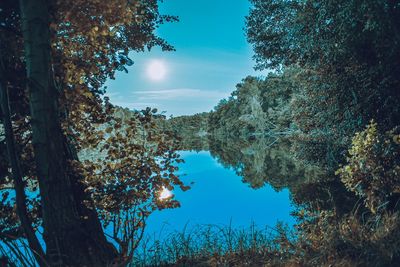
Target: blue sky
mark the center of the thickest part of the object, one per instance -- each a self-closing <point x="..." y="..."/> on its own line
<point x="211" y="57"/>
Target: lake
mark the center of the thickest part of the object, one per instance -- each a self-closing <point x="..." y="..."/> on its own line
<point x="220" y="197"/>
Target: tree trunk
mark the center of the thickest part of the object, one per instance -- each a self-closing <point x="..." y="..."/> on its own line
<point x="19" y="186"/>
<point x="72" y="231"/>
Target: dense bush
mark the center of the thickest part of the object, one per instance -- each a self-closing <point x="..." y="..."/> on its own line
<point x="372" y="171"/>
<point x="369" y="233"/>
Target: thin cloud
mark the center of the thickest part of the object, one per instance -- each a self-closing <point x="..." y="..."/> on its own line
<point x="178" y="101"/>
<point x="169" y="94"/>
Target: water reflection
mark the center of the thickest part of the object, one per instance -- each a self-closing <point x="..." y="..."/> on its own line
<point x="165" y="194"/>
<point x="240" y="179"/>
<point x="262" y="161"/>
<point x="219" y="197"/>
<point x="258" y="160"/>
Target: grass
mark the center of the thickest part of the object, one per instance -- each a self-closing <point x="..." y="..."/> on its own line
<point x="200" y="245"/>
<point x="213" y="245"/>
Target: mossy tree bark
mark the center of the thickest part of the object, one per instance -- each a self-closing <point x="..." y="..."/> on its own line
<point x="72" y="230"/>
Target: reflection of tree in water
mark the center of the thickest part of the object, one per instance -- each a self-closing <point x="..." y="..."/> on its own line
<point x="260" y="160"/>
<point x="257" y="160"/>
<point x="191" y="131"/>
<point x="193" y="143"/>
<point x="265" y="160"/>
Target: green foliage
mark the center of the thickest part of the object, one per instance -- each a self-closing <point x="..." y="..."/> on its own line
<point x="270" y="27"/>
<point x="346" y="52"/>
<point x="373" y="167"/>
<point x="257" y="107"/>
<point x="233" y="116"/>
<point x="336" y="69"/>
<point x="322" y="32"/>
<point x="88" y="43"/>
<point x="348" y="74"/>
<point x="127" y="161"/>
<point x="192" y="131"/>
<point x="363" y="234"/>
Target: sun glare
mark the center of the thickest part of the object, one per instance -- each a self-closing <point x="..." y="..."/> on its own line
<point x="156" y="70"/>
<point x="165" y="194"/>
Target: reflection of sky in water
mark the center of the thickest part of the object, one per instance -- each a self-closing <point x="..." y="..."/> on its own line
<point x="217" y="196"/>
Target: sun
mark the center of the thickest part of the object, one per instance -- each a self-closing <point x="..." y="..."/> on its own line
<point x="156" y="70"/>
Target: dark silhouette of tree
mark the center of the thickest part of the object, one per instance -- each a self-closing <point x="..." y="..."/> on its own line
<point x="62" y="53"/>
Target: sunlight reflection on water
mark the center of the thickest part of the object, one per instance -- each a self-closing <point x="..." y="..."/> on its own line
<point x="165" y="194"/>
<point x="218" y="196"/>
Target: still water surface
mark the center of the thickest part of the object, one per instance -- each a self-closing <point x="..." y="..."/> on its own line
<point x="219" y="196"/>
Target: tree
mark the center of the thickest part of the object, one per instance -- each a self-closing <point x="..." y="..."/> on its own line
<point x="13" y="159"/>
<point x="71" y="229"/>
<point x="345" y="50"/>
<point x="346" y="54"/>
<point x="70" y="49"/>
